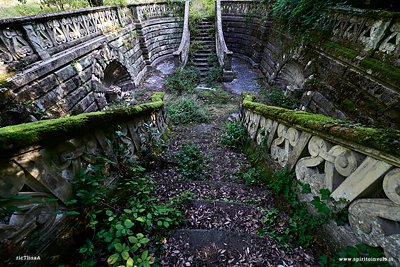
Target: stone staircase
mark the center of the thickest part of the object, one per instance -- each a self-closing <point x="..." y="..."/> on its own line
<point x="223" y="218"/>
<point x="201" y="56"/>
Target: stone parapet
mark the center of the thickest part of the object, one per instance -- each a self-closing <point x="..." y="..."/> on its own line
<point x="38" y="162"/>
<point x="356" y="164"/>
<point x="59" y="64"/>
<point x="224" y="55"/>
<point x="181" y="56"/>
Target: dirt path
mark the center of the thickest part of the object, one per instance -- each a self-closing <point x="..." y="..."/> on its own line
<point x="225" y="215"/>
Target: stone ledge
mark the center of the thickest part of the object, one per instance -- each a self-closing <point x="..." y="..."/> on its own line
<point x="344" y="132"/>
<point x="17" y="137"/>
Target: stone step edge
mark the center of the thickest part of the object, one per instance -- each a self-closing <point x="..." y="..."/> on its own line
<point x="199" y="238"/>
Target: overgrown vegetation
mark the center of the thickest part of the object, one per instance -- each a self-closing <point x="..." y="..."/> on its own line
<point x="275" y="96"/>
<point x="19" y="8"/>
<point x="214" y="74"/>
<point x="185" y="109"/>
<point x="191" y="163"/>
<point x="304" y="19"/>
<point x="183" y="80"/>
<point x="124" y="216"/>
<point x="235" y="135"/>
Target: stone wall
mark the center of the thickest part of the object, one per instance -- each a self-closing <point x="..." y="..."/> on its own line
<point x="360" y="165"/>
<point x="61" y="64"/>
<point x="40" y="159"/>
<point x="354" y="74"/>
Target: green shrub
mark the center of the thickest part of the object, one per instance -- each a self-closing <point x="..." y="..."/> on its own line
<point x="191" y="163"/>
<point x="183" y="110"/>
<point x="213" y="76"/>
<point x="301" y="18"/>
<point x="183" y="80"/>
<point x="276" y="96"/>
<point x="235" y="135"/>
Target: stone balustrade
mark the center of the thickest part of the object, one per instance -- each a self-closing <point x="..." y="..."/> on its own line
<point x="62" y="64"/>
<point x="39" y="37"/>
<point x="224" y="55"/>
<point x="352" y="74"/>
<point x="40" y="159"/>
<point x="356" y="164"/>
<point x="181" y="56"/>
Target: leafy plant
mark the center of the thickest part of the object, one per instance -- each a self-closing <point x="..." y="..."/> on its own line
<point x="183" y="110"/>
<point x="302" y="19"/>
<point x="276" y="96"/>
<point x="183" y="80"/>
<point x="235" y="135"/>
<point x="191" y="163"/>
<point x="251" y="177"/>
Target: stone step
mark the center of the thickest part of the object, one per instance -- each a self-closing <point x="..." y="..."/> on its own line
<point x="216" y="190"/>
<point x="197" y="247"/>
<point x="200" y="59"/>
<point x="200" y="64"/>
<point x="223" y="216"/>
<point x="202" y="54"/>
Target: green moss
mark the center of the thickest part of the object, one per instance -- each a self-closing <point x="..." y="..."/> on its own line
<point x="15" y="137"/>
<point x="381" y="69"/>
<point x="3" y="79"/>
<point x="248" y="96"/>
<point x="349" y="105"/>
<point x="265" y="171"/>
<point x="159" y="96"/>
<point x="339" y="50"/>
<point x="381" y="139"/>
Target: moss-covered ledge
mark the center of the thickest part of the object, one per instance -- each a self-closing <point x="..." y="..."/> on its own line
<point x="383" y="140"/>
<point x="17" y="137"/>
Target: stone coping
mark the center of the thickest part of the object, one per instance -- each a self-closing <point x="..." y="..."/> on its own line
<point x="19" y="137"/>
<point x="29" y="19"/>
<point x="382" y="143"/>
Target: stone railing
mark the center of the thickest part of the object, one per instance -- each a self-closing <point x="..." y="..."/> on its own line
<point x="374" y="30"/>
<point x="241" y="8"/>
<point x="182" y="54"/>
<point x="39" y="160"/>
<point x="360" y="165"/>
<point x="224" y="55"/>
<point x="41" y="36"/>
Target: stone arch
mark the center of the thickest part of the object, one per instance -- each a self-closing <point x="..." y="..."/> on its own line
<point x="115" y="74"/>
<point x="110" y="75"/>
<point x="290" y="77"/>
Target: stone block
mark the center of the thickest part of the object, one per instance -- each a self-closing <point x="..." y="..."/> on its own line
<point x="73" y="98"/>
<point x="65" y="73"/>
<point x="332" y="65"/>
<point x="92" y="108"/>
<point x="49" y="99"/>
<point x="322" y="102"/>
<point x="86" y="61"/>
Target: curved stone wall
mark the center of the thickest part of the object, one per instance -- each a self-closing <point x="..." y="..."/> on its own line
<point x="352" y="75"/>
<point x="54" y="65"/>
<point x="245" y="30"/>
<point x="357" y="164"/>
<point x="38" y="162"/>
